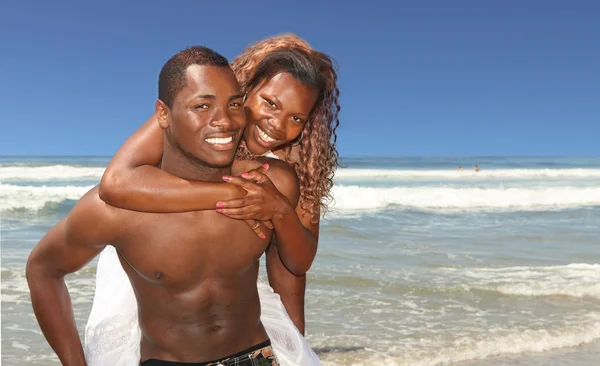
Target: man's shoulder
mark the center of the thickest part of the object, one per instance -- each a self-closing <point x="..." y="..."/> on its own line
<point x="278" y="169"/>
<point x="92" y="216"/>
<point x="280" y="173"/>
<point x="90" y="203"/>
<point x="278" y="165"/>
<point x="284" y="178"/>
<point x="275" y="166"/>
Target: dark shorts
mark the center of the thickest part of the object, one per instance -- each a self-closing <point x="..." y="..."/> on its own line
<point x="259" y="355"/>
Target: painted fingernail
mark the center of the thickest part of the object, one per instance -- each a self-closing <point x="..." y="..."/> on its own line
<point x="263" y="236"/>
<point x="219" y="204"/>
<point x="266" y="166"/>
<point x="219" y="210"/>
<point x="245" y="175"/>
<point x="225" y="177"/>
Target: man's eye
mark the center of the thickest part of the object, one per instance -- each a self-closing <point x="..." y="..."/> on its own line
<point x="202" y="106"/>
<point x="235" y="104"/>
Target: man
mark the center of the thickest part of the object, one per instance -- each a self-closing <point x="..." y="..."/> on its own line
<point x="194" y="274"/>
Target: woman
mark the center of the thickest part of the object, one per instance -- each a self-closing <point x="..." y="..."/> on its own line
<point x="291" y="101"/>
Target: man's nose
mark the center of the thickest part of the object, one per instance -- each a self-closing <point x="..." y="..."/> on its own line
<point x="221" y="119"/>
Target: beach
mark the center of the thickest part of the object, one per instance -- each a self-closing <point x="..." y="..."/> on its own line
<point x="418" y="263"/>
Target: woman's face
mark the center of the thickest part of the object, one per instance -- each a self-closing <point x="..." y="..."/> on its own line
<point x="276" y="112"/>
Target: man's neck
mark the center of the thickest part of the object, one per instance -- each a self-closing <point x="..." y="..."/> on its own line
<point x="175" y="162"/>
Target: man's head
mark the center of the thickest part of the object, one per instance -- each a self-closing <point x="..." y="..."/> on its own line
<point x="200" y="106"/>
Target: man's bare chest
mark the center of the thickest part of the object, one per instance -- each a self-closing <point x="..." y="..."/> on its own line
<point x="179" y="250"/>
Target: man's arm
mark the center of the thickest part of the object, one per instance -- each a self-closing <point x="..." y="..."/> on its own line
<point x="65" y="249"/>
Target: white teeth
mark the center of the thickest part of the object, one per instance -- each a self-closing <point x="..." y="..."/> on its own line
<point x="216" y="140"/>
<point x="263" y="135"/>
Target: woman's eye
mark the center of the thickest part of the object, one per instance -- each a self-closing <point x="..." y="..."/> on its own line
<point x="272" y="104"/>
<point x="297" y="119"/>
<point x="235" y="104"/>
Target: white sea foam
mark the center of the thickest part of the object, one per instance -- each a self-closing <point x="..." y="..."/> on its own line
<point x="35" y="198"/>
<point x="67" y="172"/>
<point x="574" y="280"/>
<point x="455" y="174"/>
<point x="49" y="173"/>
<point x="471" y="199"/>
<point x="369" y="198"/>
<point x="478" y="346"/>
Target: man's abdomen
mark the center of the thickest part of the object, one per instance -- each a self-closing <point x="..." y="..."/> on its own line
<point x="195" y="283"/>
<point x="221" y="319"/>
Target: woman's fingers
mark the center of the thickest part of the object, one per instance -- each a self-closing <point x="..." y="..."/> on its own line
<point x="239" y="202"/>
<point x="257" y="227"/>
<point x="244" y="183"/>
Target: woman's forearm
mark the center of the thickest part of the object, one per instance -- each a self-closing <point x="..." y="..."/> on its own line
<point x="132" y="181"/>
<point x="149" y="189"/>
<point x="296" y="244"/>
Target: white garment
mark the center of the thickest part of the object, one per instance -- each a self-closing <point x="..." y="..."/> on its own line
<point x="270" y="154"/>
<point x="113" y="334"/>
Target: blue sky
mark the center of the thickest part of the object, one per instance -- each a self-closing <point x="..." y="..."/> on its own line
<point x="417" y="78"/>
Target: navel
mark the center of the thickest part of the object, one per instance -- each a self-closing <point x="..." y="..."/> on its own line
<point x="158" y="275"/>
<point x="215" y="328"/>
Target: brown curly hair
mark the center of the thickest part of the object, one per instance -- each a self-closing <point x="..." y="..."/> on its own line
<point x="318" y="153"/>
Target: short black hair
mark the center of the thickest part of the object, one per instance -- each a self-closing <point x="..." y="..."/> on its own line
<point x="172" y="76"/>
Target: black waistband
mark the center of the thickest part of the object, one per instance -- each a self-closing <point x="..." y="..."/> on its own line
<point x="155" y="362"/>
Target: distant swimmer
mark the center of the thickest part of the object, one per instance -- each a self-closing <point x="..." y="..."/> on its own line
<point x="476" y="168"/>
<point x="460" y="169"/>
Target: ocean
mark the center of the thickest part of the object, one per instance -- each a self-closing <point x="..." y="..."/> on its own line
<point x="418" y="263"/>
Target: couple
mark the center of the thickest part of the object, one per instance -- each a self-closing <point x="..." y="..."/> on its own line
<point x="194" y="272"/>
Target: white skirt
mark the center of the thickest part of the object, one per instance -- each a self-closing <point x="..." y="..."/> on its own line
<point x="112" y="334"/>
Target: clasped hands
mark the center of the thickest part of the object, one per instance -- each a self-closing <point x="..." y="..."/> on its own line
<point x="262" y="203"/>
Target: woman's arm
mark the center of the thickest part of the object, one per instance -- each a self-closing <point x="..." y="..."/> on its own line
<point x="295" y="240"/>
<point x="132" y="180"/>
<point x="291" y="288"/>
<point x="300" y="233"/>
<point x="266" y="201"/>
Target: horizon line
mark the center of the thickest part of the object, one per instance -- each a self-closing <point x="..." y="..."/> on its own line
<point x="341" y="156"/>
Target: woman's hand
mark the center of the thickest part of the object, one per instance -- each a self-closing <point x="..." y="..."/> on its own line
<point x="260" y="228"/>
<point x="263" y="201"/>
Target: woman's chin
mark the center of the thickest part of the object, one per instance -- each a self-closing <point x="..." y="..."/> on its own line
<point x="255" y="147"/>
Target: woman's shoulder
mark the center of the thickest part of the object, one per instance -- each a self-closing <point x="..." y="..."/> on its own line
<point x="294" y="156"/>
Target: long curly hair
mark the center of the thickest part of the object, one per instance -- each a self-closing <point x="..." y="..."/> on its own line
<point x="318" y="156"/>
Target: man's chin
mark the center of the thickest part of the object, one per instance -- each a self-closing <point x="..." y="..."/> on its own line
<point x="209" y="159"/>
<point x="224" y="162"/>
<point x="216" y="165"/>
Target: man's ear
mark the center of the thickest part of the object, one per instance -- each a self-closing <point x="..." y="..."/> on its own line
<point x="162" y="113"/>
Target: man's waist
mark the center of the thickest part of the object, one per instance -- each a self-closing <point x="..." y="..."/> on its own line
<point x="201" y="343"/>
